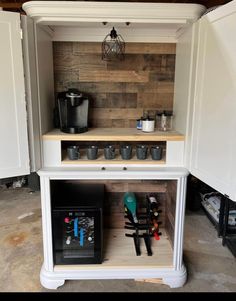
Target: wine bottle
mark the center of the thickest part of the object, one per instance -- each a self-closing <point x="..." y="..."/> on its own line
<point x="130" y="203"/>
<point x="153" y="205"/>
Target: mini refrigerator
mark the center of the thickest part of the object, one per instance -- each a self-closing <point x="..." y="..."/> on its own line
<point x="77" y="224"/>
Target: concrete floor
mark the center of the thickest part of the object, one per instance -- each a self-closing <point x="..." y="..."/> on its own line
<point x="211" y="267"/>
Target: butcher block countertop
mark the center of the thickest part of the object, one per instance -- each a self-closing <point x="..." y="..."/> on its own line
<point x="114" y="134"/>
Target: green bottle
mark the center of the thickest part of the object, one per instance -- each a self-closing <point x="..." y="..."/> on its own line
<point x="130" y="203"/>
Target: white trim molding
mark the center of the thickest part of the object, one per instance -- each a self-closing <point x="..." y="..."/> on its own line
<point x="48" y="11"/>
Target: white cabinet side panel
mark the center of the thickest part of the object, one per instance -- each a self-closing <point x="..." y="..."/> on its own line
<point x="174" y="153"/>
<point x="223" y="29"/>
<point x="51" y="153"/>
<point x="44" y="55"/>
<point x="14" y="155"/>
<point x="31" y="93"/>
<point x="182" y="79"/>
<point x="214" y="145"/>
<point x="184" y="86"/>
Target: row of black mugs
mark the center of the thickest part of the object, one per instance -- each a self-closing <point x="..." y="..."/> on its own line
<point x="73" y="152"/>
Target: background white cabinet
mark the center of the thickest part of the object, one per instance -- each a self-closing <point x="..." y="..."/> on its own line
<point x="23" y="83"/>
<point x="14" y="155"/>
<point x="212" y="157"/>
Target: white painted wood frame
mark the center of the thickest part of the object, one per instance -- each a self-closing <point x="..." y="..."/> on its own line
<point x="52" y="276"/>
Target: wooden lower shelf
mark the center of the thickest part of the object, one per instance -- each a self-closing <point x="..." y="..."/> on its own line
<point x="118" y="160"/>
<point x="119" y="252"/>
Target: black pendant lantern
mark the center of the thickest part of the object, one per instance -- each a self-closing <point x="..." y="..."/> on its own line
<point x="113" y="46"/>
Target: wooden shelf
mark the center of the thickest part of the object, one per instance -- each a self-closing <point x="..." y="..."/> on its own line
<point x="119" y="252"/>
<point x="114" y="134"/>
<point x="118" y="160"/>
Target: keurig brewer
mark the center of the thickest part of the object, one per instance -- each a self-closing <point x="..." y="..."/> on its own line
<point x="73" y="111"/>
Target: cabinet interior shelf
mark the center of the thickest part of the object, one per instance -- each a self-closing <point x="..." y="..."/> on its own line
<point x="119" y="252"/>
<point x="114" y="134"/>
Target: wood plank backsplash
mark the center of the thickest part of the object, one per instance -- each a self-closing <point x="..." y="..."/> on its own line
<point x="120" y="91"/>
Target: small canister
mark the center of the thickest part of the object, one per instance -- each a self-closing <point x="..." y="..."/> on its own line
<point x="148" y="125"/>
<point x="139" y="124"/>
<point x="164" y="121"/>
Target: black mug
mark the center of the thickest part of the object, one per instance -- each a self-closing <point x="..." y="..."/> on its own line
<point x="92" y="152"/>
<point x="156" y="152"/>
<point x="109" y="152"/>
<point x="73" y="152"/>
<point x="126" y="152"/>
<point x="141" y="152"/>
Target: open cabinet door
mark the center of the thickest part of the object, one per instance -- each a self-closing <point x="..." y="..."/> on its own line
<point x="14" y="155"/>
<point x="213" y="151"/>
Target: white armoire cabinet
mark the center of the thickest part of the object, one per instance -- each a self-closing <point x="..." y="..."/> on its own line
<point x="203" y="142"/>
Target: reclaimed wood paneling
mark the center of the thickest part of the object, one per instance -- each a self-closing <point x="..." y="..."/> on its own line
<point x="100" y="122"/>
<point x="170" y="209"/>
<point x="154" y="48"/>
<point x="159" y="101"/>
<point x="116" y="113"/>
<point x="113" y="76"/>
<point x="88" y="62"/>
<point x="60" y="48"/>
<point x="121" y="100"/>
<point x="103" y="87"/>
<point x="120" y="91"/>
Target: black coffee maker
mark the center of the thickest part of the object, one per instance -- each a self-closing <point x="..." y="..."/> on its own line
<point x="73" y="111"/>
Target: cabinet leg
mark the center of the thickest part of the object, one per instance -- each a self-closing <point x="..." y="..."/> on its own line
<point x="178" y="279"/>
<point x="221" y="216"/>
<point x="226" y="219"/>
<point x="49" y="281"/>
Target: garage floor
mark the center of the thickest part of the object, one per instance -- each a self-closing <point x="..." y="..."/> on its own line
<point x="211" y="267"/>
